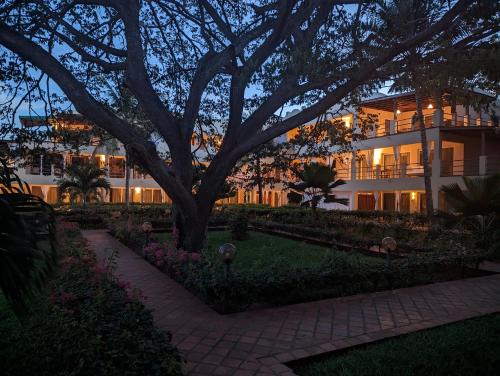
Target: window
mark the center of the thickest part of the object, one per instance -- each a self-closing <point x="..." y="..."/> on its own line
<point x="52" y="195"/>
<point x="421" y="157"/>
<point x="404" y="203"/>
<point x="389" y="201"/>
<point x="37" y="191"/>
<point x="116" y="167"/>
<point x="366" y="201"/>
<point x="157" y="196"/>
<point x="147" y="196"/>
<point x="116" y="195"/>
<point x="34" y="165"/>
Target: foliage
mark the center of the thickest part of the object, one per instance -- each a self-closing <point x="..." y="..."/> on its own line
<point x="239" y="227"/>
<point x="89" y="324"/>
<point x="479" y="203"/>
<point x="273" y="270"/>
<point x="464" y="349"/>
<point x="481" y="196"/>
<point x="317" y="182"/>
<point x="211" y="77"/>
<point x="83" y="180"/>
<point x="27" y="253"/>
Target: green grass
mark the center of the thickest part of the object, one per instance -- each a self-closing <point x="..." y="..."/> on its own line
<point x="261" y="249"/>
<point x="464" y="349"/>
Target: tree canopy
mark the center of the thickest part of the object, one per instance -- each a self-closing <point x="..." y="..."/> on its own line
<point x="220" y="70"/>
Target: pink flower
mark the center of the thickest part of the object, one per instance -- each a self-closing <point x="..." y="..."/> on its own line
<point x="159" y="254"/>
<point x="124" y="284"/>
<point x="183" y="255"/>
<point x="195" y="257"/>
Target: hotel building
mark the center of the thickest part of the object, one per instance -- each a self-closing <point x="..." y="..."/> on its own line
<point x="384" y="171"/>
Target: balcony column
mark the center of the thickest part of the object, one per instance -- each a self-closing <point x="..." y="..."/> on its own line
<point x="483" y="159"/>
<point x="106" y="164"/>
<point x="438" y="118"/>
<point x="483" y="165"/>
<point x="353" y="166"/>
<point x="436" y="161"/>
<point x="355" y="128"/>
<point x="394" y="121"/>
<point x="45" y="192"/>
<point x="397" y="152"/>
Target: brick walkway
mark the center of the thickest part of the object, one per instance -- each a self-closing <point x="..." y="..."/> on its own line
<point x="259" y="342"/>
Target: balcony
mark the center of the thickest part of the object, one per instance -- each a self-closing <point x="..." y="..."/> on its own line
<point x="468" y="167"/>
<point x="391" y="127"/>
<point x="410" y="170"/>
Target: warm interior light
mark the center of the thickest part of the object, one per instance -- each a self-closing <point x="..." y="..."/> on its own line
<point x="398" y="112"/>
<point x="413" y="195"/>
<point x="137" y="190"/>
<point x="377" y="155"/>
<point x="430" y="106"/>
<point x="103" y="158"/>
<point x="347" y="121"/>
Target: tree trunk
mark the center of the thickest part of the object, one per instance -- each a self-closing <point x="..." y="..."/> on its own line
<point x="425" y="156"/>
<point x="127" y="181"/>
<point x="195" y="235"/>
<point x="259" y="182"/>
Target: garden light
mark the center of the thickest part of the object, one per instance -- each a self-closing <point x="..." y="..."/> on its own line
<point x="147" y="227"/>
<point x="227" y="252"/>
<point x="389" y="244"/>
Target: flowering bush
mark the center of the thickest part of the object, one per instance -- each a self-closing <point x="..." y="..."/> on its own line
<point x="89" y="324"/>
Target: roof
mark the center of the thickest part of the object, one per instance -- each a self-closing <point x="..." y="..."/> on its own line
<point x="405" y="102"/>
<point x="31" y="121"/>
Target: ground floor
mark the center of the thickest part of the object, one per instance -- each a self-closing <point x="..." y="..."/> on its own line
<point x="406" y="201"/>
<point x="139" y="195"/>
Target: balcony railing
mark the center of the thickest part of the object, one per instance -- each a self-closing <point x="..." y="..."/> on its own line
<point x="410" y="170"/>
<point x="410" y="124"/>
<point x="343" y="173"/>
<point x="467" y="167"/>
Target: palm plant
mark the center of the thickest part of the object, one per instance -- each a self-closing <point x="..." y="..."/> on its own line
<point x="479" y="204"/>
<point x="481" y="196"/>
<point x="27" y="252"/>
<point x="316" y="184"/>
<point x="83" y="181"/>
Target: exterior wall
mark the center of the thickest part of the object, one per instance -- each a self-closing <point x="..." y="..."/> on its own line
<point x="459" y="145"/>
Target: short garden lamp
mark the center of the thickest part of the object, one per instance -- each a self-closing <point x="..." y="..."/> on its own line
<point x="390" y="245"/>
<point x="147" y="227"/>
<point x="227" y="252"/>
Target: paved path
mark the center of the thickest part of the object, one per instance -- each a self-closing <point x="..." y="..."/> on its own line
<point x="259" y="342"/>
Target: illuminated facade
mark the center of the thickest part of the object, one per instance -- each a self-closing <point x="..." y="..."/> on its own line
<point x="384" y="171"/>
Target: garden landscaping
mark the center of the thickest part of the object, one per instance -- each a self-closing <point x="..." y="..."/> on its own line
<point x="467" y="348"/>
<point x="276" y="265"/>
<point x="85" y="322"/>
<point x="272" y="270"/>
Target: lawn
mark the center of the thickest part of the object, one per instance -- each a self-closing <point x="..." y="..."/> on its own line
<point x="263" y="249"/>
<point x="464" y="349"/>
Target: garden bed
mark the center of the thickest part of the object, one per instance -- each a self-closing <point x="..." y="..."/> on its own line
<point x="468" y="348"/>
<point x="85" y="323"/>
<point x="270" y="270"/>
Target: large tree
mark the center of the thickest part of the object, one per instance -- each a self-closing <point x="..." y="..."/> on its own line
<point x="193" y="65"/>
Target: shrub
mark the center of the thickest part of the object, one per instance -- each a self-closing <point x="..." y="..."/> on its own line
<point x="91" y="324"/>
<point x="239" y="227"/>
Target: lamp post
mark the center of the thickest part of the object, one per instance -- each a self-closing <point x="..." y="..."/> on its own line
<point x="390" y="245"/>
<point x="227" y="252"/>
<point x="147" y="227"/>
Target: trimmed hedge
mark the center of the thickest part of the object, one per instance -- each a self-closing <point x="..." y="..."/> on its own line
<point x="278" y="282"/>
